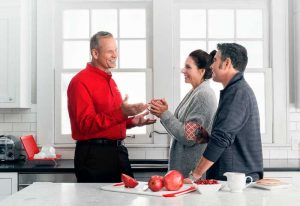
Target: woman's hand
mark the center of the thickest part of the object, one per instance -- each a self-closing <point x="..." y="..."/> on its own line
<point x="158" y="106"/>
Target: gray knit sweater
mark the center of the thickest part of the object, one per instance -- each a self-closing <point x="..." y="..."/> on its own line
<point x="199" y="105"/>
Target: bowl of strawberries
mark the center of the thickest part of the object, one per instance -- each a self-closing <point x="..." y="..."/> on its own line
<point x="207" y="186"/>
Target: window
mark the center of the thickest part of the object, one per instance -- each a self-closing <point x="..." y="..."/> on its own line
<point x="202" y="26"/>
<point x="75" y="24"/>
<point x="176" y="34"/>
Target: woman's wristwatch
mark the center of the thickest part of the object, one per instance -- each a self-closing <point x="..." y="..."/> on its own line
<point x="191" y="176"/>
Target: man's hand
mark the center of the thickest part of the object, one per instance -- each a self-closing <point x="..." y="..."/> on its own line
<point x="202" y="136"/>
<point x="140" y="120"/>
<point x="203" y="165"/>
<point x="195" y="132"/>
<point x="157" y="107"/>
<point x="132" y="109"/>
<point x="188" y="181"/>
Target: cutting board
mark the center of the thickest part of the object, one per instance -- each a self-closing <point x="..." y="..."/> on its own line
<point x="119" y="187"/>
<point x="282" y="185"/>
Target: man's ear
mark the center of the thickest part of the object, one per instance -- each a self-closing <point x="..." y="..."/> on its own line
<point x="228" y="63"/>
<point x="95" y="53"/>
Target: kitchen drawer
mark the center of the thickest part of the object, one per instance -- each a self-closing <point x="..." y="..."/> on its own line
<point x="143" y="171"/>
<point x="26" y="179"/>
<point x="144" y="176"/>
<point x="8" y="184"/>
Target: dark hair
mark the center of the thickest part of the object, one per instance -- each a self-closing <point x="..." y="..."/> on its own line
<point x="94" y="42"/>
<point x="236" y="53"/>
<point x="203" y="60"/>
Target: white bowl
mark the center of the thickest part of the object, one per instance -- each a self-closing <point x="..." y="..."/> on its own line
<point x="206" y="189"/>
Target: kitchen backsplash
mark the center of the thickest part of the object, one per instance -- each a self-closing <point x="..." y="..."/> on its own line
<point x="20" y="122"/>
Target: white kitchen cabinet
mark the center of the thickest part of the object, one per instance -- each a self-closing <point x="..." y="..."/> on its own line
<point x="8" y="184"/>
<point x="289" y="177"/>
<point x="15" y="89"/>
<point x="26" y="179"/>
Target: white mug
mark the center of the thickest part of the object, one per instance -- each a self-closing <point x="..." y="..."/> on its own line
<point x="237" y="181"/>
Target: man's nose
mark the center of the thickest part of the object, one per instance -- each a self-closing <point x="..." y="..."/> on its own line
<point x="183" y="70"/>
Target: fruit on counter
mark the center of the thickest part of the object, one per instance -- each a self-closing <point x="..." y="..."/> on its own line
<point x="129" y="181"/>
<point x="206" y="182"/>
<point x="156" y="183"/>
<point x="173" y="180"/>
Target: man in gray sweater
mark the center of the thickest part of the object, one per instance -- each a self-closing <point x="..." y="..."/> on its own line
<point x="235" y="141"/>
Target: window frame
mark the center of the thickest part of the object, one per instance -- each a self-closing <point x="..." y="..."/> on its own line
<point x="65" y="140"/>
<point x="267" y="137"/>
<point x="162" y="68"/>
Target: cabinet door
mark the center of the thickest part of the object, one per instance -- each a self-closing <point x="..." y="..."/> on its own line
<point x="9" y="55"/>
<point x="8" y="184"/>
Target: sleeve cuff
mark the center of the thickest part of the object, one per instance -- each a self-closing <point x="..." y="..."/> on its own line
<point x="129" y="123"/>
<point x="165" y="116"/>
<point x="119" y="116"/>
<point x="213" y="151"/>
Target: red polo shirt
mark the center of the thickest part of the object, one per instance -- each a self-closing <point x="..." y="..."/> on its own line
<point x="94" y="104"/>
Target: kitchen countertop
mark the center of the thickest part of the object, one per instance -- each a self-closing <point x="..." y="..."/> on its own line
<point x="77" y="194"/>
<point x="67" y="166"/>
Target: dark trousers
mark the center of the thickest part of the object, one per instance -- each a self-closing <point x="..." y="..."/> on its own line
<point x="100" y="163"/>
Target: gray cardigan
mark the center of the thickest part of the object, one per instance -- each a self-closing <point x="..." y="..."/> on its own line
<point x="199" y="105"/>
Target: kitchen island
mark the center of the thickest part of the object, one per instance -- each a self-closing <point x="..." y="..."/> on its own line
<point x="90" y="194"/>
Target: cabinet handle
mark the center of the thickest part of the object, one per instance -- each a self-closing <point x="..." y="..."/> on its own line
<point x="10" y="99"/>
<point x="131" y="136"/>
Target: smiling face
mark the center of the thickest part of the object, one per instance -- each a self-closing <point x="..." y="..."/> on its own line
<point x="192" y="74"/>
<point x="106" y="55"/>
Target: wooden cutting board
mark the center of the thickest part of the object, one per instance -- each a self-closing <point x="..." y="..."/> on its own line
<point x="119" y="187"/>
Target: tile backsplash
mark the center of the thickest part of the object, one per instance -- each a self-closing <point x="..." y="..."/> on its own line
<point x="20" y="122"/>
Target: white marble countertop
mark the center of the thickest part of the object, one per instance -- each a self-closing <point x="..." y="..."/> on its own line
<point x="90" y="194"/>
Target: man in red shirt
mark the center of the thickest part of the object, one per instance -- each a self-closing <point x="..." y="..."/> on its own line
<point x="99" y="117"/>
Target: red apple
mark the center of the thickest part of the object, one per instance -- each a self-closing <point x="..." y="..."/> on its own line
<point x="173" y="180"/>
<point x="129" y="181"/>
<point x="156" y="183"/>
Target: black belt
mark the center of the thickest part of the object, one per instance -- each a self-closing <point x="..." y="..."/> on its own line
<point x="102" y="142"/>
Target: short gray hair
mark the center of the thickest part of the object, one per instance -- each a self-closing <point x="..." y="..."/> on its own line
<point x="94" y="42"/>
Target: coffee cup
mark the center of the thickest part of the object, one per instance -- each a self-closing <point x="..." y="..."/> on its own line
<point x="236" y="181"/>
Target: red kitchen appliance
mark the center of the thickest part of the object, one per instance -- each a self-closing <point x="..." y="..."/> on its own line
<point x="31" y="149"/>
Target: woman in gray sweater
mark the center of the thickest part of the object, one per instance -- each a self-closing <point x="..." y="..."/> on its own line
<point x="196" y="108"/>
